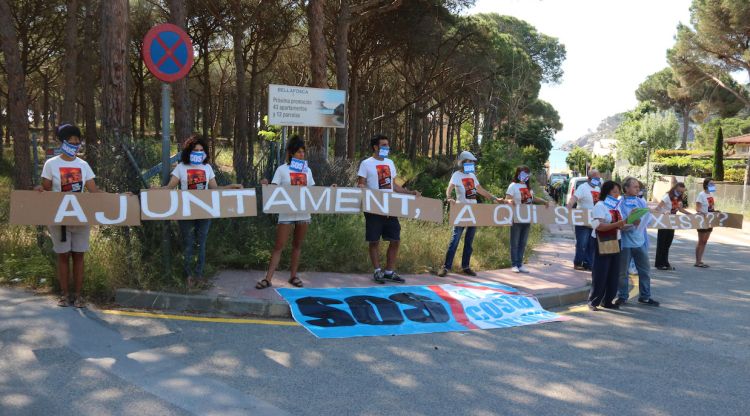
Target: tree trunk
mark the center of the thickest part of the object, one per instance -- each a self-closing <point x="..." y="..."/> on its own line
<point x="17" y="99"/>
<point x="341" y="53"/>
<point x="70" y="64"/>
<point x="240" y="119"/>
<point x="442" y="130"/>
<point x="206" y="89"/>
<point x="352" y="117"/>
<point x="685" y="126"/>
<point x="318" y="53"/>
<point x="475" y="141"/>
<point x="87" y="67"/>
<point x="183" y="121"/>
<point x="253" y="114"/>
<point x="45" y="112"/>
<point x="143" y="115"/>
<point x="114" y="56"/>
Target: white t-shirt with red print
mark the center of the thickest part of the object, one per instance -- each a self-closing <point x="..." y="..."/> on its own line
<point x="671" y="205"/>
<point x="521" y="193"/>
<point x="586" y="196"/>
<point x="285" y="177"/>
<point x="378" y="174"/>
<point x="67" y="176"/>
<point x="466" y="187"/>
<point x="707" y="202"/>
<point x="193" y="177"/>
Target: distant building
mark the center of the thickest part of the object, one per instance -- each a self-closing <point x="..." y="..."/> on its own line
<point x="604" y="147"/>
<point x="741" y="144"/>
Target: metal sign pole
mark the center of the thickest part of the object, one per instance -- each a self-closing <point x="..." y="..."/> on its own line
<point x="325" y="144"/>
<point x="281" y="151"/>
<point x="165" y="121"/>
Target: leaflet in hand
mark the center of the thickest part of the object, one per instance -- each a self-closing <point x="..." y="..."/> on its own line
<point x="636" y="215"/>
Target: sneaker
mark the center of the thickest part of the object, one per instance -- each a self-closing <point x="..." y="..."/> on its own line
<point x="393" y="277"/>
<point x="443" y="272"/>
<point x="579" y="267"/>
<point x="620" y="301"/>
<point x="469" y="272"/>
<point x="63" y="301"/>
<point x="649" y="302"/>
<point x="378" y="277"/>
<point x="515" y="269"/>
<point x="523" y="269"/>
<point x="611" y="306"/>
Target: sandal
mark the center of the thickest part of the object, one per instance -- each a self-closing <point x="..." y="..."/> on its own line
<point x="701" y="265"/>
<point x="296" y="282"/>
<point x="263" y="284"/>
<point x="63" y="301"/>
<point x="79" y="302"/>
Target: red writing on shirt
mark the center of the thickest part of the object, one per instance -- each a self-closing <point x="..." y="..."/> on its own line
<point x="71" y="180"/>
<point x="196" y="179"/>
<point x="595" y="195"/>
<point x="298" y="179"/>
<point x="471" y="190"/>
<point x="384" y="176"/>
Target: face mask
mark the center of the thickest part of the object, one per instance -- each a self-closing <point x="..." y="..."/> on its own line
<point x="297" y="165"/>
<point x="611" y="202"/>
<point x="712" y="188"/>
<point x="523" y="177"/>
<point x="596" y="181"/>
<point x="677" y="194"/>
<point x="196" y="158"/>
<point x="70" y="149"/>
<point x="384" y="151"/>
<point x="469" y="168"/>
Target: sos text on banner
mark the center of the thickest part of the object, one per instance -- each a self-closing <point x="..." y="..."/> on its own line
<point x="485" y="215"/>
<point x="373" y="311"/>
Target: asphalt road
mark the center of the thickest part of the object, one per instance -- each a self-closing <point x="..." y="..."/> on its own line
<point x="689" y="357"/>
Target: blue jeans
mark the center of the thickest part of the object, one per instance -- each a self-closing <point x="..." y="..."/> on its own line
<point x="640" y="257"/>
<point x="453" y="246"/>
<point x="584" y="247"/>
<point x="519" y="236"/>
<point x="194" y="231"/>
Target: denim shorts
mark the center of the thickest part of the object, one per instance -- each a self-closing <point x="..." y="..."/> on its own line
<point x="295" y="222"/>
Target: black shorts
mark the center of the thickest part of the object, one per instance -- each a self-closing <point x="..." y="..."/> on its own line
<point x="705" y="230"/>
<point x="379" y="226"/>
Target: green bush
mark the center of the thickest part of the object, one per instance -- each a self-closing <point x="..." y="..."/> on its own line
<point x="684" y="166"/>
<point x="734" y="175"/>
<point x="660" y="154"/>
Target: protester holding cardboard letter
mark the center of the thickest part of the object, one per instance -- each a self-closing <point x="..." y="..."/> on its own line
<point x="585" y="196"/>
<point x="467" y="187"/>
<point x="294" y="172"/>
<point x="671" y="203"/>
<point x="69" y="173"/>
<point x="605" y="238"/>
<point x="379" y="172"/>
<point x="519" y="192"/>
<point x="634" y="244"/>
<point x="193" y="172"/>
<point x="704" y="204"/>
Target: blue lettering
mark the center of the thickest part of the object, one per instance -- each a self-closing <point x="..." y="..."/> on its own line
<point x="491" y="309"/>
<point x="473" y="312"/>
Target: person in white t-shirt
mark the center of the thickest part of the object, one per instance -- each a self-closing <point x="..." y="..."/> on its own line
<point x="585" y="196"/>
<point x="605" y="274"/>
<point x="294" y="172"/>
<point x="704" y="203"/>
<point x="671" y="203"/>
<point x="466" y="185"/>
<point x="69" y="173"/>
<point x="520" y="193"/>
<point x="194" y="172"/>
<point x="379" y="172"/>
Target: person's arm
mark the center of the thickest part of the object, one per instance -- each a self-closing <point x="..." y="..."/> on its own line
<point x="449" y="192"/>
<point x="486" y="194"/>
<point x="361" y="182"/>
<point x="45" y="186"/>
<point x="541" y="201"/>
<point x="173" y="182"/>
<point x="509" y="199"/>
<point x="609" y="226"/>
<point x="698" y="207"/>
<point x="400" y="189"/>
<point x="91" y="187"/>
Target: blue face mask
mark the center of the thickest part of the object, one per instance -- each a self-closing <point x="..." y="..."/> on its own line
<point x="469" y="168"/>
<point x="384" y="151"/>
<point x="611" y="202"/>
<point x="297" y="165"/>
<point x="712" y="188"/>
<point x="677" y="193"/>
<point x="596" y="181"/>
<point x="70" y="149"/>
<point x="196" y="158"/>
<point x="523" y="177"/>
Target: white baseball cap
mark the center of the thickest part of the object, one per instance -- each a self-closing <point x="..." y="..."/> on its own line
<point x="466" y="155"/>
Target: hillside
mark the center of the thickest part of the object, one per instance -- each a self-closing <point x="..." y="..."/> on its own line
<point x="605" y="130"/>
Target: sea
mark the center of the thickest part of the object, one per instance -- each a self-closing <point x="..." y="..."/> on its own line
<point x="557" y="161"/>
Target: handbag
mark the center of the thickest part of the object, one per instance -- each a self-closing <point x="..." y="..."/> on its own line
<point x="608" y="244"/>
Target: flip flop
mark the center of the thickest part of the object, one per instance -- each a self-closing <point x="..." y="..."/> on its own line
<point x="265" y="283"/>
<point x="701" y="265"/>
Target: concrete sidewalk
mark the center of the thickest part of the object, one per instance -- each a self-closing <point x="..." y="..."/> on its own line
<point x="552" y="280"/>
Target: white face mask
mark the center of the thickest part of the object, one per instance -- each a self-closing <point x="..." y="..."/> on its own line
<point x="523" y="176"/>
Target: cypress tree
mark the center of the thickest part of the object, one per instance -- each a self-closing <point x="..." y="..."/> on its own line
<point x="718" y="173"/>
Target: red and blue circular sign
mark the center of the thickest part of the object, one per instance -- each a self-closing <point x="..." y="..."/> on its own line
<point x="168" y="52"/>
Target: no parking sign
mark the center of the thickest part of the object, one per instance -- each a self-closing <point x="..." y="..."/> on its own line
<point x="168" y="52"/>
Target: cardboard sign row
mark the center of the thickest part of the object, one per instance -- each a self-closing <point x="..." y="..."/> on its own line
<point x="57" y="208"/>
<point x="483" y="215"/>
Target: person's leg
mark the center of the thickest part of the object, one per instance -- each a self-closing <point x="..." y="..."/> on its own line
<point x="660" y="260"/>
<point x="667" y="245"/>
<point x="63" y="269"/>
<point x="188" y="242"/>
<point x="701" y="247"/>
<point x="374" y="250"/>
<point x="452" y="246"/>
<point x="598" y="279"/>
<point x="392" y="255"/>
<point x="468" y="247"/>
<point x="373" y="234"/>
<point x="624" y="265"/>
<point x="581" y="243"/>
<point x="282" y="236"/>
<point x="78" y="272"/>
<point x="515" y="235"/>
<point x="640" y="256"/>
<point x="611" y="281"/>
<point x="300" y="229"/>
<point x="201" y="235"/>
<point x="523" y="239"/>
<point x="588" y="258"/>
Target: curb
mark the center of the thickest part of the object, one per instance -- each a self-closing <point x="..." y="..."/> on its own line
<point x="262" y="308"/>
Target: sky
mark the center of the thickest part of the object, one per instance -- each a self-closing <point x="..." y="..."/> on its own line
<point x="612" y="46"/>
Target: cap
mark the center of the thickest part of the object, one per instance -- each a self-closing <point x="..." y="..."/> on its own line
<point x="466" y="155"/>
